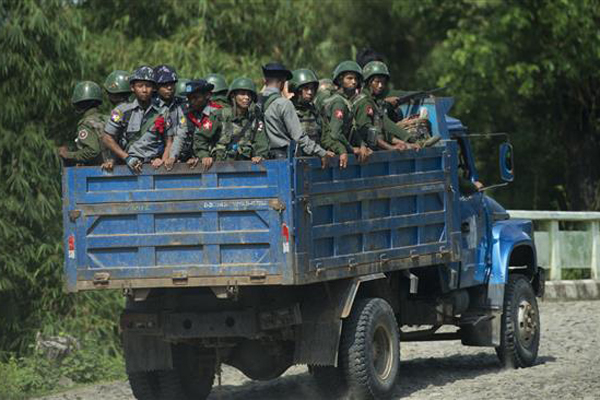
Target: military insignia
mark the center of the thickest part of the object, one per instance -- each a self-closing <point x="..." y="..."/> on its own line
<point x="82" y="134"/>
<point x="116" y="115"/>
<point x="182" y="121"/>
<point x="207" y="124"/>
<point x="369" y="111"/>
<point x="339" y="114"/>
<point x="260" y="125"/>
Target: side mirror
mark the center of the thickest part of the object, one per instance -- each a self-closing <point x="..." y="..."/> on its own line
<point x="506" y="162"/>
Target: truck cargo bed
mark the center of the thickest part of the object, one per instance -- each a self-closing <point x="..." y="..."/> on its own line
<point x="279" y="222"/>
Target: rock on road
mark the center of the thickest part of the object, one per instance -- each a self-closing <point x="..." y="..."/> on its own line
<point x="568" y="367"/>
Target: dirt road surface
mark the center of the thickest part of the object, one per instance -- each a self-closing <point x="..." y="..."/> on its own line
<point x="568" y="367"/>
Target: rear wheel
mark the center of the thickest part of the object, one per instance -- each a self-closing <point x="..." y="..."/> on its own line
<point x="192" y="375"/>
<point x="520" y="334"/>
<point x="144" y="385"/>
<point x="370" y="349"/>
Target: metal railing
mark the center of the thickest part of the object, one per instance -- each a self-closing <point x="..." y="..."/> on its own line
<point x="578" y="246"/>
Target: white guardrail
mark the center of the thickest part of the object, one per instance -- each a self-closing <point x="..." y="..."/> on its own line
<point x="577" y="247"/>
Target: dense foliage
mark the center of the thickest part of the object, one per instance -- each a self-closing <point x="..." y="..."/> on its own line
<point x="529" y="68"/>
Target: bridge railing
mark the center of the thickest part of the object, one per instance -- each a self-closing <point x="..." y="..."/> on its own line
<point x="565" y="240"/>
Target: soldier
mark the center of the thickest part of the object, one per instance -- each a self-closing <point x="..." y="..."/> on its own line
<point x="203" y="123"/>
<point x="325" y="90"/>
<point x="370" y="114"/>
<point x="87" y="97"/>
<point x="339" y="134"/>
<point x="220" y="90"/>
<point x="281" y="122"/>
<point x="304" y="85"/>
<point x="118" y="91"/>
<point x="117" y="87"/>
<point x="141" y="125"/>
<point x="242" y="136"/>
<point x="166" y="81"/>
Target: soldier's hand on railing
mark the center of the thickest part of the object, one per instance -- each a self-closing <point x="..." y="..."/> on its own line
<point x="169" y="163"/>
<point x="207" y="162"/>
<point x="343" y="160"/>
<point x="156" y="163"/>
<point x="256" y="160"/>
<point x="108" y="165"/>
<point x="62" y="151"/>
<point x="193" y="162"/>
<point x="134" y="164"/>
<point x="326" y="157"/>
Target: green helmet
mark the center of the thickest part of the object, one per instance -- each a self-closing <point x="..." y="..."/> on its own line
<point x="117" y="82"/>
<point x="86" y="90"/>
<point x="375" y="68"/>
<point x="242" y="84"/>
<point x="326" y="84"/>
<point x="218" y="81"/>
<point x="301" y="77"/>
<point x="180" y="87"/>
<point x="346" y="66"/>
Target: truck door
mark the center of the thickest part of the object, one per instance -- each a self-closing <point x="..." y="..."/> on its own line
<point x="474" y="224"/>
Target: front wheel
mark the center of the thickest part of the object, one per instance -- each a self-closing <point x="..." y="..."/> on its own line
<point x="370" y="349"/>
<point x="520" y="332"/>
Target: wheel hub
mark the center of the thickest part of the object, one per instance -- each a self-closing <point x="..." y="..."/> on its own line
<point x="527" y="322"/>
<point x="382" y="352"/>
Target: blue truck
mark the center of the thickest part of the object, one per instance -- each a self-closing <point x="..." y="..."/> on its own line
<point x="263" y="266"/>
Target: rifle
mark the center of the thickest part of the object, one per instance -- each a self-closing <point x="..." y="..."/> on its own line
<point x="417" y="95"/>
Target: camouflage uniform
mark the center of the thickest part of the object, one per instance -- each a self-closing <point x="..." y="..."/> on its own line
<point x="241" y="137"/>
<point x="309" y="117"/>
<point x="204" y="129"/>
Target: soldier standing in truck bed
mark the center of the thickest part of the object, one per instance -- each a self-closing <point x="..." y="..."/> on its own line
<point x="242" y="136"/>
<point x="220" y="90"/>
<point x="87" y="97"/>
<point x="140" y="125"/>
<point x="281" y="122"/>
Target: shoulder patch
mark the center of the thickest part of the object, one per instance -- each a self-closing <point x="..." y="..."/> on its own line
<point x="207" y="124"/>
<point x="83" y="134"/>
<point x="182" y="120"/>
<point x="116" y="115"/>
<point x="339" y="114"/>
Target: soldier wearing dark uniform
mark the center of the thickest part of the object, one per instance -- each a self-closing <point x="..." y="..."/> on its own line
<point x="339" y="134"/>
<point x="370" y="114"/>
<point x="166" y="81"/>
<point x="141" y="125"/>
<point x="117" y="87"/>
<point x="242" y="135"/>
<point x="220" y="89"/>
<point x="87" y="97"/>
<point x="281" y="122"/>
<point x="304" y="85"/>
<point x="202" y="122"/>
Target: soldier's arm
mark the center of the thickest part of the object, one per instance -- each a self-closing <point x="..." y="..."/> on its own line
<point x="112" y="130"/>
<point x="363" y="119"/>
<point x="335" y="128"/>
<point x="329" y="144"/>
<point x="293" y="126"/>
<point x="179" y="134"/>
<point x="394" y="131"/>
<point x="90" y="147"/>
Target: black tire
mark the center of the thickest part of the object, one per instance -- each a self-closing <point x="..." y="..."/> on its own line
<point x="520" y="332"/>
<point x="370" y="350"/>
<point x="329" y="380"/>
<point x="192" y="375"/>
<point x="144" y="385"/>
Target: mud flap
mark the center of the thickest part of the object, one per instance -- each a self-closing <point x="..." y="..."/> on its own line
<point x="482" y="331"/>
<point x="146" y="353"/>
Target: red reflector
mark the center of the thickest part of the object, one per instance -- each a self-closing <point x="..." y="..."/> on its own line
<point x="71" y="243"/>
<point x="285" y="232"/>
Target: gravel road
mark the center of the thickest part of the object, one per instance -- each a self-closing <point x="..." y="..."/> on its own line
<point x="568" y="367"/>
